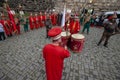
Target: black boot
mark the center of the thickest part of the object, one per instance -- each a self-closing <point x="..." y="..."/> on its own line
<point x="105" y="45"/>
<point x="99" y="43"/>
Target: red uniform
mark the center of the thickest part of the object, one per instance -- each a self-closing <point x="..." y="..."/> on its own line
<point x="17" y="25"/>
<point x="40" y="18"/>
<point x="44" y="17"/>
<point x="54" y="57"/>
<point x="74" y="27"/>
<point x="31" y="22"/>
<point x="7" y="27"/>
<point x="11" y="17"/>
<point x="2" y="22"/>
<point x="54" y="19"/>
<point x="36" y="22"/>
<point x="10" y="26"/>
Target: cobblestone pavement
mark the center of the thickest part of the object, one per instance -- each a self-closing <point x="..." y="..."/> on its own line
<point x="21" y="58"/>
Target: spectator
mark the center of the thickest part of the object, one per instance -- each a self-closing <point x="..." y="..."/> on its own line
<point x="2" y="34"/>
<point x="48" y="24"/>
<point x="110" y="28"/>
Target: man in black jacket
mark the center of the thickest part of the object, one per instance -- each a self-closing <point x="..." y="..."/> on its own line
<point x="110" y="27"/>
<point x="48" y="25"/>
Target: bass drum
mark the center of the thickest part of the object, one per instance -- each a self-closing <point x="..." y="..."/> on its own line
<point x="64" y="37"/>
<point x="77" y="42"/>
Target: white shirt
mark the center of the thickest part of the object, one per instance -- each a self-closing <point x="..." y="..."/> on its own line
<point x="1" y="28"/>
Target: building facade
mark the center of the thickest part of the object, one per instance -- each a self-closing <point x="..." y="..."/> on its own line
<point x="98" y="5"/>
<point x="74" y="5"/>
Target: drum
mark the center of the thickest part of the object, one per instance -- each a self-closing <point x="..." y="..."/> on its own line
<point x="64" y="37"/>
<point x="77" y="42"/>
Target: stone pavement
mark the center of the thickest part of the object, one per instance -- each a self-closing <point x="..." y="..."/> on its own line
<point x="21" y="58"/>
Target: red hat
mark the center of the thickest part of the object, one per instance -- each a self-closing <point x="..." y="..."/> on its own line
<point x="55" y="33"/>
<point x="110" y="17"/>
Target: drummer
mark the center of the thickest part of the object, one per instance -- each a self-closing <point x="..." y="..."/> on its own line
<point x="73" y="25"/>
<point x="54" y="55"/>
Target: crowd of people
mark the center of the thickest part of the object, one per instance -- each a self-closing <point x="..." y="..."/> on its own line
<point x="33" y="21"/>
<point x="38" y="20"/>
<point x="11" y="26"/>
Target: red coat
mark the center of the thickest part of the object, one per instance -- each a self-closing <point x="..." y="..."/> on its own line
<point x="54" y="57"/>
<point x="44" y="17"/>
<point x="8" y="29"/>
<point x="11" y="27"/>
<point x="17" y="22"/>
<point x="40" y="18"/>
<point x="31" y="22"/>
<point x="36" y="22"/>
<point x="74" y="27"/>
<point x="11" y="17"/>
<point x="54" y="19"/>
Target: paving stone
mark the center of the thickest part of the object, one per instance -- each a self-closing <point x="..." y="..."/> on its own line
<point x="21" y="58"/>
<point x="6" y="78"/>
<point x="1" y="74"/>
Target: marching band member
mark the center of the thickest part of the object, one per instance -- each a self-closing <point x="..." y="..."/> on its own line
<point x="86" y="23"/>
<point x="17" y="22"/>
<point x="31" y="21"/>
<point x="54" y="55"/>
<point x="54" y="18"/>
<point x="40" y="18"/>
<point x="26" y="23"/>
<point x="36" y="22"/>
<point x="8" y="28"/>
<point x="74" y="25"/>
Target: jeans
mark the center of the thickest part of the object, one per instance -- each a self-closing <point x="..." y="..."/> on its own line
<point x="2" y="36"/>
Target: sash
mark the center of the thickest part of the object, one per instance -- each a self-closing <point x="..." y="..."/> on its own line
<point x="73" y="27"/>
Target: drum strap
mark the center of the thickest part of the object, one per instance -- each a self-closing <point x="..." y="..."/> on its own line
<point x="73" y="26"/>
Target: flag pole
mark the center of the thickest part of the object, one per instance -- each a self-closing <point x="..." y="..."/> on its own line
<point x="63" y="17"/>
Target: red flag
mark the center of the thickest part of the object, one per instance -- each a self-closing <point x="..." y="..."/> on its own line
<point x="11" y="17"/>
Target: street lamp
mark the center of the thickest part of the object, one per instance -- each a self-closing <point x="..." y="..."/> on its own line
<point x="91" y="1"/>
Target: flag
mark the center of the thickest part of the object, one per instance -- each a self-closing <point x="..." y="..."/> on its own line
<point x="63" y="17"/>
<point x="11" y="17"/>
